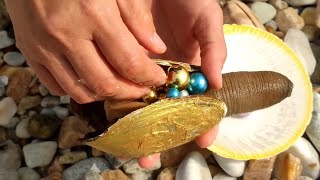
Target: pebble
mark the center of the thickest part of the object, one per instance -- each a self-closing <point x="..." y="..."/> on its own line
<point x="18" y="86"/>
<point x="48" y="112"/>
<point x="55" y="167"/>
<point x="9" y="174"/>
<point x="288" y="18"/>
<point x="315" y="77"/>
<point x="4" y="80"/>
<point x="313" y="129"/>
<point x="116" y="174"/>
<point x="72" y="157"/>
<point x="71" y="131"/>
<point x="264" y="11"/>
<point x="50" y="101"/>
<point x="279" y="4"/>
<point x="309" y="157"/>
<point x="316" y="102"/>
<point x="2" y="90"/>
<point x="116" y="162"/>
<point x="272" y="24"/>
<point x="5" y="40"/>
<point x="193" y="167"/>
<point x="22" y="129"/>
<point x="299" y="43"/>
<point x="132" y="167"/>
<point x="141" y="176"/>
<point x="39" y="154"/>
<point x="53" y="176"/>
<point x="9" y="156"/>
<point x="3" y="135"/>
<point x="78" y="170"/>
<point x="167" y="174"/>
<point x="4" y="16"/>
<point x="312" y="32"/>
<point x="65" y="99"/>
<point x="26" y="173"/>
<point x="29" y="102"/>
<point x="8" y="109"/>
<point x="43" y="90"/>
<point x="259" y="168"/>
<point x="287" y="166"/>
<point x="13" y="122"/>
<point x="14" y="58"/>
<point x="301" y="2"/>
<point x="223" y="176"/>
<point x="43" y="127"/>
<point x="305" y="178"/>
<point x="232" y="167"/>
<point x="309" y="15"/>
<point x="92" y="175"/>
<point x="61" y="112"/>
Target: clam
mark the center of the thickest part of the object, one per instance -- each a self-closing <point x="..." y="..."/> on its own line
<point x="261" y="76"/>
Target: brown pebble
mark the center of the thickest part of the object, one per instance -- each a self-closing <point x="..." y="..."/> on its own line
<point x="29" y="102"/>
<point x="96" y="152"/>
<point x="35" y="89"/>
<point x="287" y="166"/>
<point x="18" y="86"/>
<point x="72" y="157"/>
<point x="55" y="167"/>
<point x="259" y="169"/>
<point x="214" y="170"/>
<point x="316" y="88"/>
<point x="3" y="135"/>
<point x="114" y="175"/>
<point x="53" y="176"/>
<point x="71" y="132"/>
<point x="43" y="127"/>
<point x="288" y="18"/>
<point x="168" y="173"/>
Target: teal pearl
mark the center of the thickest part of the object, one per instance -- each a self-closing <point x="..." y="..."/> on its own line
<point x="198" y="83"/>
<point x="173" y="93"/>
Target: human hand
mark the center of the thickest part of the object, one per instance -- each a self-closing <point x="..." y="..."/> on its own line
<point x="89" y="49"/>
<point x="193" y="33"/>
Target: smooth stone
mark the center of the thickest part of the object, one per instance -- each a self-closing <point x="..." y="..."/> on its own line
<point x="309" y="15"/>
<point x="312" y="32"/>
<point x="43" y="90"/>
<point x="313" y="129"/>
<point x="288" y="18"/>
<point x="272" y="24"/>
<point x="193" y="167"/>
<point x="316" y="102"/>
<point x="92" y="175"/>
<point x="167" y="174"/>
<point x="309" y="157"/>
<point x="71" y="131"/>
<point x="65" y="99"/>
<point x="232" y="167"/>
<point x="14" y="58"/>
<point x="8" y="109"/>
<point x="305" y="178"/>
<point x="299" y="43"/>
<point x="141" y="176"/>
<point x="9" y="156"/>
<point x="116" y="162"/>
<point x="287" y="166"/>
<point x="223" y="176"/>
<point x="61" y="112"/>
<point x="261" y="168"/>
<point x="5" y="40"/>
<point x="39" y="154"/>
<point x="53" y="176"/>
<point x="29" y="102"/>
<point x="9" y="174"/>
<point x="301" y="2"/>
<point x="48" y="112"/>
<point x="279" y="4"/>
<point x="264" y="11"/>
<point x="4" y="80"/>
<point x="50" y="101"/>
<point x="72" y="157"/>
<point x="43" y="127"/>
<point x="132" y="167"/>
<point x="78" y="170"/>
<point x="26" y="173"/>
<point x="114" y="175"/>
<point x="22" y="129"/>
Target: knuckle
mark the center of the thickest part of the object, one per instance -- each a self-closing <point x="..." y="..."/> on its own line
<point x="131" y="66"/>
<point x="106" y="87"/>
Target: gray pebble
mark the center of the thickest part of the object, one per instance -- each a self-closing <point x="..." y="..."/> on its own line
<point x="9" y="156"/>
<point x="22" y="129"/>
<point x="43" y="90"/>
<point x="2" y="90"/>
<point x="65" y="99"/>
<point x="5" y="40"/>
<point x="32" y="113"/>
<point x="50" y="101"/>
<point x="114" y="161"/>
<point x="132" y="167"/>
<point x="26" y="173"/>
<point x="4" y="80"/>
<point x="48" y="112"/>
<point x="78" y="170"/>
<point x="61" y="112"/>
<point x="8" y="110"/>
<point x="13" y="122"/>
<point x="9" y="174"/>
<point x="14" y="59"/>
<point x="92" y="175"/>
<point x="272" y="24"/>
<point x="142" y="176"/>
<point x="39" y="154"/>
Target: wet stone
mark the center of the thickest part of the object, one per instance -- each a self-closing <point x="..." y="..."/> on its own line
<point x="14" y="58"/>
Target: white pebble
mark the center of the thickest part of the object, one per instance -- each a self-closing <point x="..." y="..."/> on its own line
<point x="141" y="176"/>
<point x="223" y="176"/>
<point x="22" y="129"/>
<point x="39" y="154"/>
<point x="14" y="58"/>
<point x="264" y="11"/>
<point x="232" y="167"/>
<point x="61" y="112"/>
<point x="305" y="178"/>
<point x="65" y="99"/>
<point x="4" y="80"/>
<point x="26" y="173"/>
<point x="5" y="40"/>
<point x="193" y="167"/>
<point x="309" y="157"/>
<point x="8" y="109"/>
<point x="92" y="175"/>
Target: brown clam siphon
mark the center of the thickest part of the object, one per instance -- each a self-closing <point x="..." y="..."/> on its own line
<point x="143" y="129"/>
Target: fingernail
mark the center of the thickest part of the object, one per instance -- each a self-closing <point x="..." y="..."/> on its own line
<point x="157" y="40"/>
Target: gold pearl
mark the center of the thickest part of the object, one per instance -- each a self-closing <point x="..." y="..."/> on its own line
<point x="178" y="77"/>
<point x="151" y="97"/>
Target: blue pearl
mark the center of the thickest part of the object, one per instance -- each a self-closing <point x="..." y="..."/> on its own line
<point x="198" y="83"/>
<point x="173" y="93"/>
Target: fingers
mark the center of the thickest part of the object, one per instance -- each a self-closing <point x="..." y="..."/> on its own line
<point x="209" y="33"/>
<point x="149" y="162"/>
<point x="207" y="138"/>
<point x="99" y="76"/>
<point x="125" y="54"/>
<point x="139" y="21"/>
<point x="47" y="79"/>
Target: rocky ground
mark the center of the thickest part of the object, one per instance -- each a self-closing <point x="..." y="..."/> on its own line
<point x="39" y="136"/>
